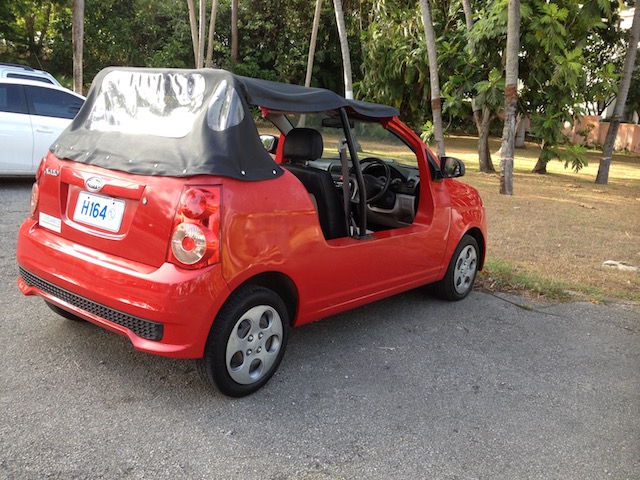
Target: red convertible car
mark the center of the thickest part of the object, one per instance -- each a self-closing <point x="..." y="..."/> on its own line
<point x="162" y="214"/>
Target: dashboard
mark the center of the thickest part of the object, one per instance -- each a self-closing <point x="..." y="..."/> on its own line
<point x="397" y="207"/>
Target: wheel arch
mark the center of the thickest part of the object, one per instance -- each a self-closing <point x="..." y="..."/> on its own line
<point x="476" y="233"/>
<point x="282" y="285"/>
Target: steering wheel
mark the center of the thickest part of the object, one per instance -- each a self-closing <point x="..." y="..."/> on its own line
<point x="374" y="186"/>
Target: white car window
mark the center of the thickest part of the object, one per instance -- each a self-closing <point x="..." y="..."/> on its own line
<point x="16" y="136"/>
<point x="11" y="99"/>
<point x="52" y="103"/>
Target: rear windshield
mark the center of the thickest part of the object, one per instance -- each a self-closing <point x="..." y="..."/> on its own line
<point x="161" y="104"/>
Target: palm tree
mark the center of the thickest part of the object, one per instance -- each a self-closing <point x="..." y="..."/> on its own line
<point x="212" y="28"/>
<point x="344" y="48"/>
<point x="436" y="102"/>
<point x="510" y="98"/>
<point x="234" y="32"/>
<point x="198" y="31"/>
<point x="194" y="29"/>
<point x="482" y="114"/>
<point x="77" y="34"/>
<point x="621" y="99"/>
<point x="312" y="44"/>
<point x="468" y="13"/>
<point x="201" y="34"/>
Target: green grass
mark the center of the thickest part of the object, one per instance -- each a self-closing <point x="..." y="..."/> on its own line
<point x="501" y="276"/>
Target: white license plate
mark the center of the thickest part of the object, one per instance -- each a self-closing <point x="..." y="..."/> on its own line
<point x="99" y="211"/>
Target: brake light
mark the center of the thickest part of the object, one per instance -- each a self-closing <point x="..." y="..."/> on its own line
<point x="197" y="204"/>
<point x="35" y="190"/>
<point x="195" y="241"/>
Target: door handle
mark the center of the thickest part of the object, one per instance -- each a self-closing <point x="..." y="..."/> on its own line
<point x="44" y="130"/>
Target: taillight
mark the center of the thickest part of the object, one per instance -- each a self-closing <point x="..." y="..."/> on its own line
<point x="197" y="204"/>
<point x="195" y="241"/>
<point x="35" y="195"/>
<point x="35" y="190"/>
<point x="190" y="244"/>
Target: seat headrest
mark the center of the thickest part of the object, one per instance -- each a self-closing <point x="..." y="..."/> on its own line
<point x="302" y="144"/>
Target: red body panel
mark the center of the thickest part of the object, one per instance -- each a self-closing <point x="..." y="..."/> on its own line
<point x="266" y="226"/>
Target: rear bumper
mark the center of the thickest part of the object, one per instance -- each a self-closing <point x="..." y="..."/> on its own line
<point x="167" y="311"/>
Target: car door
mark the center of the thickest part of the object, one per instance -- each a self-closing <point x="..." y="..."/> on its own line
<point x="16" y="135"/>
<point x="350" y="271"/>
<point x="51" y="112"/>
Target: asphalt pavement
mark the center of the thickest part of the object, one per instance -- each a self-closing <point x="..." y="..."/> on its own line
<point x="493" y="387"/>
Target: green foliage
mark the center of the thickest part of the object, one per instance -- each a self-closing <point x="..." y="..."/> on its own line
<point x="395" y="68"/>
<point x="570" y="51"/>
<point x="25" y="30"/>
<point x="127" y="33"/>
<point x="273" y="43"/>
<point x="575" y="156"/>
<point x="490" y="92"/>
<point x="555" y="67"/>
<point x="428" y="132"/>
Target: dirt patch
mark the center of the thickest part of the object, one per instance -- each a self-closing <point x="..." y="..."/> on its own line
<point x="562" y="226"/>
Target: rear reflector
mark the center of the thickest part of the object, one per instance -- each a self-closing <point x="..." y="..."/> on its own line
<point x="188" y="243"/>
<point x="35" y="194"/>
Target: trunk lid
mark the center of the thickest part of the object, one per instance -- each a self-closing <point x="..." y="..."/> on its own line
<point x="117" y="213"/>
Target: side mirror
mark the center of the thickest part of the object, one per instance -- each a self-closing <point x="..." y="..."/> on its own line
<point x="270" y="143"/>
<point x="451" y="167"/>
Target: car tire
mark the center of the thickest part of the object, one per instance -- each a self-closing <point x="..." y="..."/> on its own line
<point x="246" y="343"/>
<point x="63" y="313"/>
<point x="462" y="270"/>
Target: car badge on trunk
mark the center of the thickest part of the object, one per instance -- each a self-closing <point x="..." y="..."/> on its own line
<point x="94" y="184"/>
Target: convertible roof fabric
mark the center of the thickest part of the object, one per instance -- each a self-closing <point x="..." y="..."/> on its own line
<point x="284" y="97"/>
<point x="178" y="123"/>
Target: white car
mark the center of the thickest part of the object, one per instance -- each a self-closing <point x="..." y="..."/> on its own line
<point x="32" y="116"/>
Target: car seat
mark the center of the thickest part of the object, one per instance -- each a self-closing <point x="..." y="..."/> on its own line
<point x="300" y="146"/>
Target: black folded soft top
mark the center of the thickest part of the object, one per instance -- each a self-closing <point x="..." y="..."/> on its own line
<point x="179" y="123"/>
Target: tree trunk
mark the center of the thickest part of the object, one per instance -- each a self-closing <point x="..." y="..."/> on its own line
<point x="312" y="43"/>
<point x="510" y="98"/>
<point x="344" y="48"/>
<point x="483" y="120"/>
<point x="201" y="34"/>
<point x="212" y="29"/>
<point x="521" y="122"/>
<point x="481" y="115"/>
<point x="77" y="34"/>
<point x="621" y="99"/>
<point x="44" y="30"/>
<point x="312" y="50"/>
<point x="436" y="102"/>
<point x="540" y="167"/>
<point x="468" y="14"/>
<point x="194" y="30"/>
<point x="234" y="32"/>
